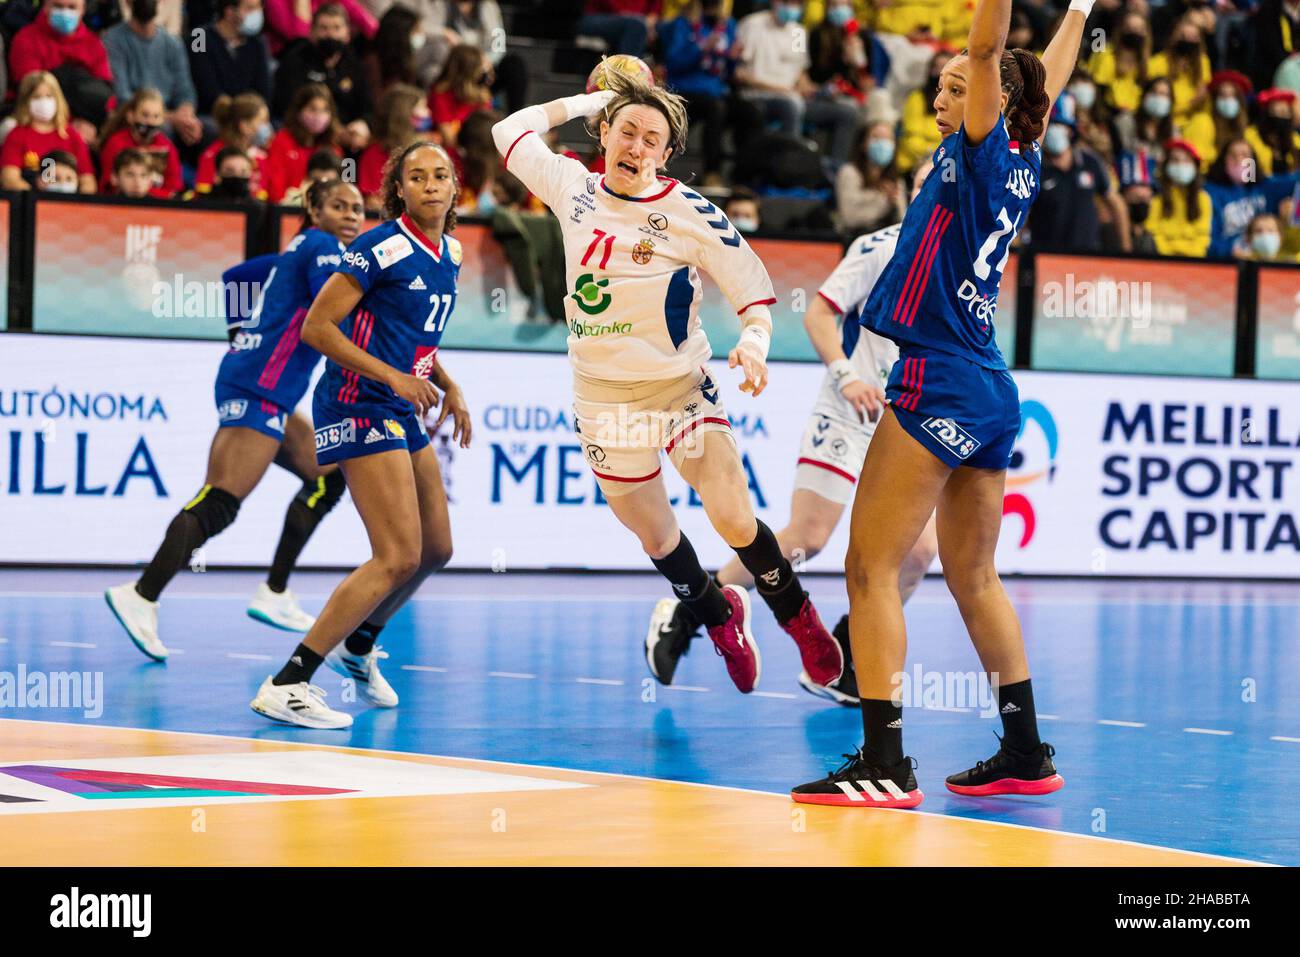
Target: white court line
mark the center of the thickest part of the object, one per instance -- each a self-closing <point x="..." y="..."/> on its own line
<point x="1122" y="724"/>
<point x="1049" y="717"/>
<point x="1280" y="737"/>
<point x="935" y="707"/>
<point x="1207" y="731"/>
<point x="509" y="674"/>
<point x="599" y="681"/>
<point x="685" y="688"/>
<point x="72" y="644"/>
<point x="246" y="657"/>
<point x="773" y="694"/>
<point x="4" y="641"/>
<point x="423" y="668"/>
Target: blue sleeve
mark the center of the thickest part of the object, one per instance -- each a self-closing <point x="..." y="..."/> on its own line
<point x="324" y="259"/>
<point x="1279" y="187"/>
<point x="681" y="55"/>
<point x="251" y="272"/>
<point x="359" y="261"/>
<point x="990" y="157"/>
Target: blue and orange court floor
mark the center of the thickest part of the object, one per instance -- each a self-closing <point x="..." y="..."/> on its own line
<point x="530" y="733"/>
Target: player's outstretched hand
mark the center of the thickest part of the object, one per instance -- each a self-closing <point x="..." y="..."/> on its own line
<point x="453" y="404"/>
<point x="867" y="399"/>
<point x="417" y="391"/>
<point x="754" y="366"/>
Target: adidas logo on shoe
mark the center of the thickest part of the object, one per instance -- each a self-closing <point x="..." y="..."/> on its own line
<point x="374" y="435"/>
<point x="417" y="283"/>
<point x="1010" y="708"/>
<point x="896" y="723"/>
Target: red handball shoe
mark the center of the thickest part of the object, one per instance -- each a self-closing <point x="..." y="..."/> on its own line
<point x="735" y="642"/>
<point x="822" y="658"/>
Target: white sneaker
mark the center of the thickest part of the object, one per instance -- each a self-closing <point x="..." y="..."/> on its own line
<point x="139" y="616"/>
<point x="279" y="610"/>
<point x="364" y="670"/>
<point x="302" y="704"/>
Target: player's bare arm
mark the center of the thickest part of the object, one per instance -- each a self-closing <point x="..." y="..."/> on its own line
<point x="983" y="83"/>
<point x="819" y="322"/>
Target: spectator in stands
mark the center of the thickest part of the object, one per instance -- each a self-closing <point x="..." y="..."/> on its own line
<point x="228" y="56"/>
<point x="1238" y="193"/>
<point x="143" y="55"/>
<point x="1287" y="76"/>
<point x="310" y="123"/>
<point x="1187" y="66"/>
<point x="744" y="210"/>
<point x="137" y="123"/>
<point x="243" y="122"/>
<point x="58" y="42"/>
<point x="1263" y="240"/>
<point x="43" y="125"/>
<point x="869" y="192"/>
<point x="289" y="20"/>
<point x="234" y="173"/>
<point x="773" y="74"/>
<point x="1181" y="213"/>
<point x="1077" y="195"/>
<point x="479" y="162"/>
<point x="1153" y="124"/>
<point x="625" y="25"/>
<point x="1121" y="67"/>
<point x="534" y="247"/>
<point x="401" y="52"/>
<point x="1211" y="132"/>
<point x="58" y="174"/>
<point x="1137" y="180"/>
<point x="1274" y="137"/>
<point x="327" y="57"/>
<point x="920" y="136"/>
<point x="463" y="87"/>
<point x="1277" y="36"/>
<point x="848" y="63"/>
<point x="401" y="116"/>
<point x="479" y="23"/>
<point x="324" y="164"/>
<point x="131" y="175"/>
<point x="699" y="51"/>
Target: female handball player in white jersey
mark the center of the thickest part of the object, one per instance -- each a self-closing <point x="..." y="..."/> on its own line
<point x="260" y="381"/>
<point x="378" y="321"/>
<point x="634" y="241"/>
<point x="946" y="440"/>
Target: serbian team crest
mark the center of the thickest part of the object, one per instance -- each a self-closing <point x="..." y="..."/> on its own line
<point x="642" y="252"/>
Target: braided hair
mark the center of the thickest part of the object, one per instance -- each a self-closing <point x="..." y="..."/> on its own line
<point x="1024" y="82"/>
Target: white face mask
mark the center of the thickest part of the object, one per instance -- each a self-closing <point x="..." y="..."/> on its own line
<point x="42" y="108"/>
<point x="61" y="188"/>
<point x="1266" y="245"/>
<point x="417" y="41"/>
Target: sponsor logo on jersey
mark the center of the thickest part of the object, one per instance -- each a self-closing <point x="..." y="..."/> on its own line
<point x="417" y="283"/>
<point x="232" y="409"/>
<point x="394" y="429"/>
<point x="331" y="259"/>
<point x="589" y="293"/>
<point x="838" y="448"/>
<point x="373" y="436"/>
<point x="454" y="247"/>
<point x="982" y="308"/>
<point x="591" y="185"/>
<point x="595" y="454"/>
<point x="960" y="442"/>
<point x="584" y="330"/>
<point x="657" y="221"/>
<point x="358" y="260"/>
<point x="691" y="408"/>
<point x="642" y="252"/>
<point x="393" y="250"/>
<point x="246" y="341"/>
<point x="332" y="436"/>
<point x="425" y="359"/>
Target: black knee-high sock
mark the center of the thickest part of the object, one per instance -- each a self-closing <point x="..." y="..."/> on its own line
<point x="882" y="731"/>
<point x="693" y="585"/>
<point x="1019" y="720"/>
<point x="210" y="511"/>
<point x="312" y="503"/>
<point x="774" y="577"/>
<point x="302" y="664"/>
<point x="362" y="641"/>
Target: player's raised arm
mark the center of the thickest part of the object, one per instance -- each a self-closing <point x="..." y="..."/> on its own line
<point x="518" y="139"/>
<point x="988" y="38"/>
<point x="1062" y="52"/>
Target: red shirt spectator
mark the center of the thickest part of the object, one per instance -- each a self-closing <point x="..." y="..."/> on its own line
<point x="370" y="169"/>
<point x="286" y="164"/>
<point x="159" y="149"/>
<point x="38" y="46"/>
<point x="206" y="175"/>
<point x="24" y="147"/>
<point x="285" y="23"/>
<point x="447" y="107"/>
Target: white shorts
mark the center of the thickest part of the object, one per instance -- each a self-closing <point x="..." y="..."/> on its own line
<point x="831" y="456"/>
<point x="623" y="426"/>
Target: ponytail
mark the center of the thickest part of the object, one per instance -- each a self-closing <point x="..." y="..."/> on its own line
<point x="1024" y="81"/>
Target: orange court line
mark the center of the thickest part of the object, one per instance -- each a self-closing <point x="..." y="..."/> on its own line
<point x="616" y="820"/>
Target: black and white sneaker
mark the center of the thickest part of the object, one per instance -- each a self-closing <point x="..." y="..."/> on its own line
<point x="302" y="704"/>
<point x="862" y="782"/>
<point x="672" y="626"/>
<point x="1010" y="772"/>
<point x="844" y="690"/>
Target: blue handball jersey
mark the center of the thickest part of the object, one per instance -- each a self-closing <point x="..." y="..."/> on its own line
<point x="267" y="356"/>
<point x="409" y="292"/>
<point x="940" y="289"/>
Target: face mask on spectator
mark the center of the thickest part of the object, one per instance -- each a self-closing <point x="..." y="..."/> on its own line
<point x="313" y="122"/>
<point x="880" y="152"/>
<point x="745" y="224"/>
<point x="1057" y="140"/>
<point x="263" y="135"/>
<point x="64" y="21"/>
<point x="1266" y="245"/>
<point x="145" y="131"/>
<point x="417" y="41"/>
<point x="251" y="25"/>
<point x="232" y="187"/>
<point x="788" y="13"/>
<point x="840" y="15"/>
<point x="1187" y="47"/>
<point x="1157" y="105"/>
<point x="1228" y="107"/>
<point x="1277" y="125"/>
<point x="1138" y="212"/>
<point x="487" y="203"/>
<point x="1181" y="172"/>
<point x="329" y="46"/>
<point x="144" y="11"/>
<point x="1133" y="41"/>
<point x="72" y="188"/>
<point x="1085" y="95"/>
<point x="42" y="108"/>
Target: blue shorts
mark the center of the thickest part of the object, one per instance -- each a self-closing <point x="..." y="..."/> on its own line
<point x="962" y="412"/>
<point x="238" y="407"/>
<point x="351" y="431"/>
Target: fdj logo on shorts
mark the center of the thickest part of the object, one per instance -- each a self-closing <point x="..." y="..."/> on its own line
<point x="589" y="294"/>
<point x="332" y="436"/>
<point x="232" y="409"/>
<point x="960" y="442"/>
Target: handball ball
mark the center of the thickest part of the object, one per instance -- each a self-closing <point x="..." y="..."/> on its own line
<point x="621" y="63"/>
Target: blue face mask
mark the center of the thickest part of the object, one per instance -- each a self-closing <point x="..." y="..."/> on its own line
<point x="1266" y="245"/>
<point x="1228" y="107"/>
<point x="1157" y="105"/>
<point x="1085" y="95"/>
<point x="880" y="152"/>
<point x="839" y="16"/>
<point x="789" y="13"/>
<point x="1057" y="140"/>
<point x="251" y="25"/>
<point x="64" y="21"/>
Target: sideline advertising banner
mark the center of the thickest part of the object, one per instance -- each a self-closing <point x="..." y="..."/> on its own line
<point x="1278" y="353"/>
<point x="103" y="440"/>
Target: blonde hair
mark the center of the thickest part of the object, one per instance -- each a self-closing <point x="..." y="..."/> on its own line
<point x="631" y="91"/>
<point x="27" y="89"/>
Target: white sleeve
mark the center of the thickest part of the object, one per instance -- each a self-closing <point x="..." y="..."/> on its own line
<point x="518" y="139"/>
<point x="740" y="274"/>
<point x="851" y="282"/>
